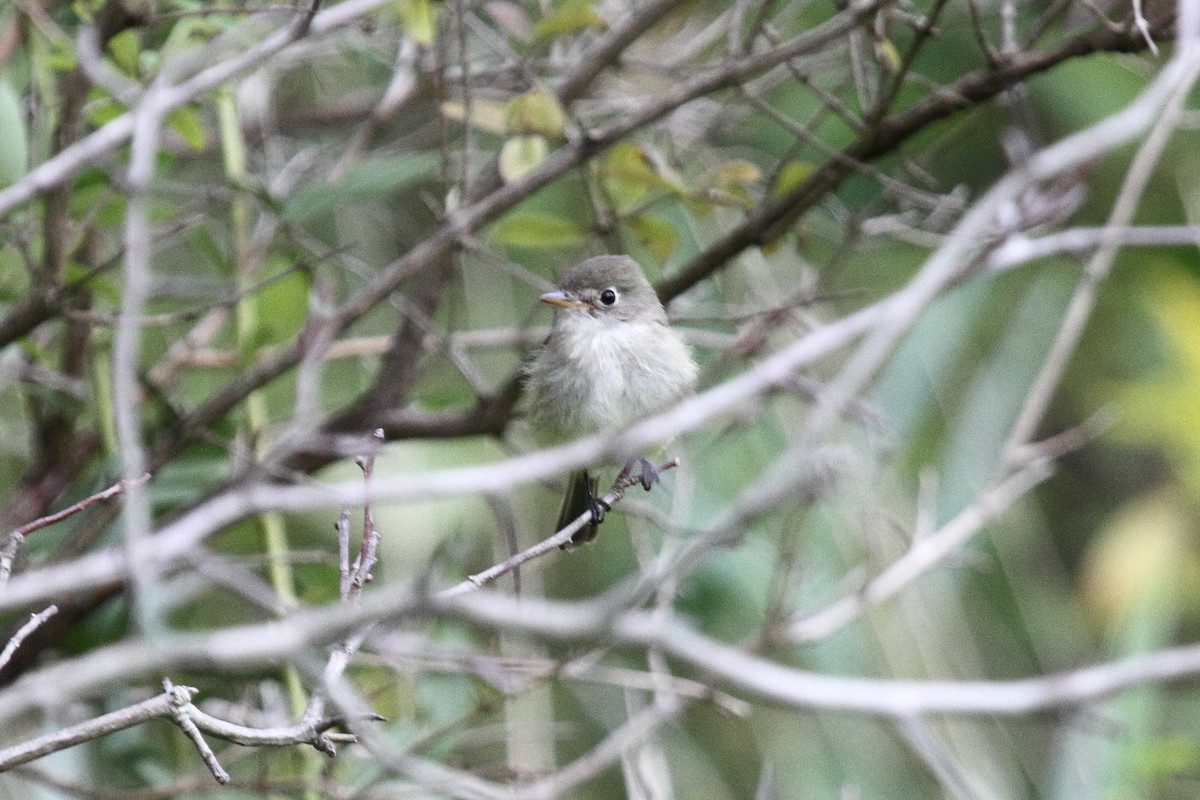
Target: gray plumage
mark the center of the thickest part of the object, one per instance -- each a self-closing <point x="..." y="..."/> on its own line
<point x="610" y="360"/>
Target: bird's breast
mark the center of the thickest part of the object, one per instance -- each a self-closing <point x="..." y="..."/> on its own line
<point x="605" y="376"/>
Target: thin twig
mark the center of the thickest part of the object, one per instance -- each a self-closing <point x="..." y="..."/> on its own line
<point x="32" y="624"/>
<point x="959" y="783"/>
<point x="1083" y="300"/>
<point x="343" y="536"/>
<point x="560" y="538"/>
<point x="181" y="699"/>
<point x="175" y="704"/>
<point x="360" y="573"/>
<point x="14" y="540"/>
<point x="925" y="552"/>
<point x="82" y="505"/>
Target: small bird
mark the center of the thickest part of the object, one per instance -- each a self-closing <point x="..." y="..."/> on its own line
<point x="610" y="360"/>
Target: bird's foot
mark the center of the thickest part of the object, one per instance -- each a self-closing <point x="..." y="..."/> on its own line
<point x="648" y="474"/>
<point x="598" y="507"/>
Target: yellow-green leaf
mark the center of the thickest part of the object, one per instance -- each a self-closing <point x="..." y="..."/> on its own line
<point x="537" y="111"/>
<point x="738" y="171"/>
<point x="1165" y="757"/>
<point x="791" y="175"/>
<point x="571" y="16"/>
<point x="61" y="57"/>
<point x="188" y="34"/>
<point x="187" y="125"/>
<point x="1143" y="548"/>
<point x="104" y="110"/>
<point x="889" y="55"/>
<point x="735" y="195"/>
<point x="627" y="174"/>
<point x="699" y="205"/>
<point x="521" y="154"/>
<point x="83" y="10"/>
<point x="419" y="18"/>
<point x="537" y="230"/>
<point x="125" y="49"/>
<point x="656" y="235"/>
<point x="486" y="115"/>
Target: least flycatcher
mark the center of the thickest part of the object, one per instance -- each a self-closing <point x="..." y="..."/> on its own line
<point x="610" y="360"/>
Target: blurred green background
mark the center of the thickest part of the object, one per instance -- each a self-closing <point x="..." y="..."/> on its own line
<point x="1099" y="562"/>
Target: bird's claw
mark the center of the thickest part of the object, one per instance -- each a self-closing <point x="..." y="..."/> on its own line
<point x="649" y="473"/>
<point x="597" y="506"/>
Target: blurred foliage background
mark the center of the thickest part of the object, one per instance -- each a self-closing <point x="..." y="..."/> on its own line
<point x="292" y="187"/>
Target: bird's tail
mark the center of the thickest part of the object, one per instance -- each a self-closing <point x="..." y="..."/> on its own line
<point x="580" y="498"/>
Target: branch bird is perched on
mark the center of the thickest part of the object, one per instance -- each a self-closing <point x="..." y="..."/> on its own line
<point x="610" y="360"/>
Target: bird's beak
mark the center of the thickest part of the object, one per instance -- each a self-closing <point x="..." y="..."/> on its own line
<point x="560" y="299"/>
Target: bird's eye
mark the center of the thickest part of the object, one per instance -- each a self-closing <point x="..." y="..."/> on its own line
<point x="608" y="297"/>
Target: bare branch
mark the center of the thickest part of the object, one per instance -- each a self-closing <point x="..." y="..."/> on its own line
<point x="923" y="555"/>
<point x="175" y="704"/>
<point x="729" y="666"/>
<point x="563" y="537"/>
<point x="111" y="135"/>
<point x="13" y="541"/>
<point x="32" y="624"/>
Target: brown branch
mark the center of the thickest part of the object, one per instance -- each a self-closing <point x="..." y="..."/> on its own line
<point x="773" y="218"/>
<point x="606" y="51"/>
<point x="13" y="541"/>
<point x="75" y="508"/>
<point x="761" y="227"/>
<point x="432" y="251"/>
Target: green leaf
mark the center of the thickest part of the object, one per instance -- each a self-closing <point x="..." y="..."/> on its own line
<point x="112" y="209"/>
<point x="537" y="230"/>
<point x="1162" y="758"/>
<point x="520" y="155"/>
<point x="699" y="205"/>
<point x="738" y="171"/>
<point x="656" y="235"/>
<point x="735" y="195"/>
<point x="100" y="285"/>
<point x="14" y="139"/>
<point x="375" y="178"/>
<point x="626" y="175"/>
<point x="104" y="110"/>
<point x="537" y="111"/>
<point x="189" y="33"/>
<point x="419" y="18"/>
<point x="569" y="17"/>
<point x="889" y="55"/>
<point x="186" y="123"/>
<point x="283" y="304"/>
<point x="792" y="175"/>
<point x="203" y="243"/>
<point x="125" y="49"/>
<point x="61" y="57"/>
<point x="83" y="10"/>
<point x="13" y="275"/>
<point x="486" y="115"/>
